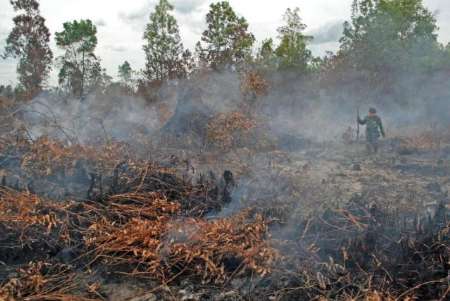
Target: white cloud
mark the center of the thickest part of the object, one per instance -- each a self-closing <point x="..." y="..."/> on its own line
<point x="188" y="6"/>
<point x="136" y="17"/>
<point x="116" y="48"/>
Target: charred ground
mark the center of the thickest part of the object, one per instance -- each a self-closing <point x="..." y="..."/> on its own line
<point x="234" y="222"/>
<point x="231" y="172"/>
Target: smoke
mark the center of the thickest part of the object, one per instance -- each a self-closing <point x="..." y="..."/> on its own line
<point x="93" y="119"/>
<point x="309" y="110"/>
<point x="183" y="110"/>
<point x="330" y="32"/>
<point x="297" y="114"/>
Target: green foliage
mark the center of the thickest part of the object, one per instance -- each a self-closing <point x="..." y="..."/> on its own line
<point x="125" y="72"/>
<point x="29" y="42"/>
<point x="292" y="53"/>
<point x="266" y="56"/>
<point x="267" y="49"/>
<point x="80" y="71"/>
<point x="163" y="47"/>
<point x="188" y="63"/>
<point x="227" y="40"/>
<point x="389" y="35"/>
<point x="383" y="41"/>
<point x="80" y="35"/>
<point x="127" y="82"/>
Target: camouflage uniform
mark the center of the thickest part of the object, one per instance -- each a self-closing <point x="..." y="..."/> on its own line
<point x="374" y="127"/>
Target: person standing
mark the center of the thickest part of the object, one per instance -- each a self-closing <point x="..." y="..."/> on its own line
<point x="374" y="129"/>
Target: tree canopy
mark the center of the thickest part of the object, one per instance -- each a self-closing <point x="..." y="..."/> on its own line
<point x="389" y="35"/>
<point x="29" y="43"/>
<point x="227" y="40"/>
<point x="163" y="47"/>
<point x="383" y="41"/>
<point x="80" y="68"/>
<point x="292" y="51"/>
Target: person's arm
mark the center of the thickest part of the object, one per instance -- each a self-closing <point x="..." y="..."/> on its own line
<point x="380" y="124"/>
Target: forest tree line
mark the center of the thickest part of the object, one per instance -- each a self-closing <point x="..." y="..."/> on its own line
<point x="382" y="42"/>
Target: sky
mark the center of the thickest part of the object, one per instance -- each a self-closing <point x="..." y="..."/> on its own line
<point x="120" y="24"/>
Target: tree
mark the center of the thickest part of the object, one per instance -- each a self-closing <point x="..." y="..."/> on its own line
<point x="163" y="47"/>
<point x="227" y="40"/>
<point x="98" y="78"/>
<point x="29" y="42"/>
<point x="80" y="68"/>
<point x="267" y="49"/>
<point x="125" y="73"/>
<point x="292" y="52"/>
<point x="388" y="36"/>
<point x="126" y="78"/>
<point x="188" y="63"/>
<point x="266" y="56"/>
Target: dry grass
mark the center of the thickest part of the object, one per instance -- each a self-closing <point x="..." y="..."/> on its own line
<point x="39" y="281"/>
<point x="150" y="232"/>
<point x="228" y="130"/>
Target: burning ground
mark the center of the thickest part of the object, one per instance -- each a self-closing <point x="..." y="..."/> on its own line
<point x="256" y="214"/>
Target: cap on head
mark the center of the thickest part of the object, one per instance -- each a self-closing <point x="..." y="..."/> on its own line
<point x="372" y="111"/>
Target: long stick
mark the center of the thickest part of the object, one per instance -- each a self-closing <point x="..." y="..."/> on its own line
<point x="357" y="124"/>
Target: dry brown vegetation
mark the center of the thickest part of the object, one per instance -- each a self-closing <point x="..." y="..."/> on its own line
<point x="137" y="221"/>
<point x="230" y="130"/>
<point x="141" y="235"/>
<point x="44" y="281"/>
<point x="149" y="234"/>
